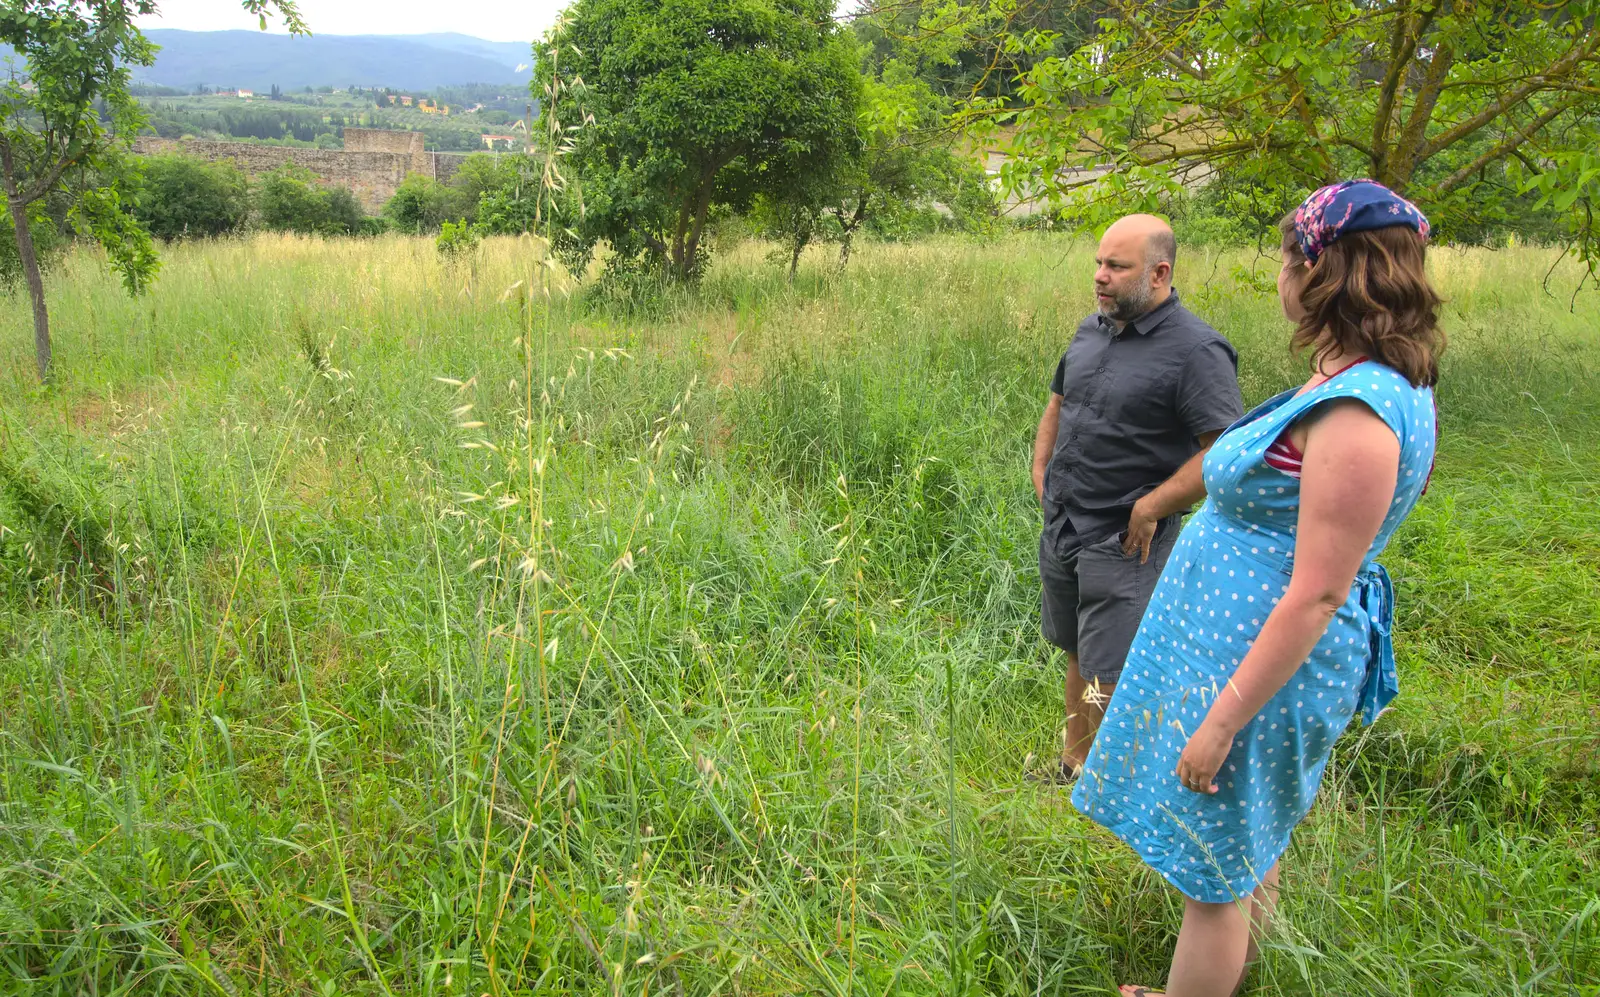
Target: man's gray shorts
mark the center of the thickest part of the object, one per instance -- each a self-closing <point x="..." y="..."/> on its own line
<point x="1095" y="596"/>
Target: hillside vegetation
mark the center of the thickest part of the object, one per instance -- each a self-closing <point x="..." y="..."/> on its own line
<point x="367" y="628"/>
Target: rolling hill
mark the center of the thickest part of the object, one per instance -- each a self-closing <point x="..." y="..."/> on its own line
<point x="257" y="60"/>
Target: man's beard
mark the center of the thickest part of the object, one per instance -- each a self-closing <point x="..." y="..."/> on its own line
<point x="1130" y="304"/>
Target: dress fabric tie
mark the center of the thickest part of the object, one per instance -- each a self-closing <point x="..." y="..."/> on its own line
<point x="1382" y="683"/>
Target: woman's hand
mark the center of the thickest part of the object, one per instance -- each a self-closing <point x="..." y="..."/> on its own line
<point x="1203" y="756"/>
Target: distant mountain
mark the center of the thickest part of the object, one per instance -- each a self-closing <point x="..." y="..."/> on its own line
<point x="256" y="60"/>
<point x="509" y="53"/>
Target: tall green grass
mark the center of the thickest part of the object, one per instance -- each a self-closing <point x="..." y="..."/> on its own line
<point x="700" y="654"/>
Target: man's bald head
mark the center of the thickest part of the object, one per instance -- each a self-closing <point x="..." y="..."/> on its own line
<point x="1160" y="245"/>
<point x="1133" y="266"/>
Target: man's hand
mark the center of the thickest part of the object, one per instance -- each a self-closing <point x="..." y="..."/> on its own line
<point x="1186" y="487"/>
<point x="1203" y="756"/>
<point x="1038" y="483"/>
<point x="1141" y="530"/>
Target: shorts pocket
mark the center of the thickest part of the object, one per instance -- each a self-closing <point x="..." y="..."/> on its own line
<point x="1113" y="545"/>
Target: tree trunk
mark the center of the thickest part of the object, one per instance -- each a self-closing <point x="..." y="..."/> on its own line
<point x="681" y="232"/>
<point x="703" y="205"/>
<point x="850" y="228"/>
<point x="802" y="236"/>
<point x="30" y="272"/>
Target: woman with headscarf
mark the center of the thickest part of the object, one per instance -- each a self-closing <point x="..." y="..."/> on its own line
<point x="1269" y="628"/>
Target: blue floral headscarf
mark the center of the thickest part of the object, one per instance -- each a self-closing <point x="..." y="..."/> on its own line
<point x="1351" y="206"/>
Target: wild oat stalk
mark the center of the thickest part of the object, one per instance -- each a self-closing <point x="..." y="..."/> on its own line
<point x="529" y="455"/>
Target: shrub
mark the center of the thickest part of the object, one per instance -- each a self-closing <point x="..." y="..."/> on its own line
<point x="187" y="198"/>
<point x="290" y="200"/>
<point x="484" y="172"/>
<point x="456" y="241"/>
<point x="422" y="204"/>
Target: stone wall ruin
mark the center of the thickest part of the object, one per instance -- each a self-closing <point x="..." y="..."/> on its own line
<point x="372" y="163"/>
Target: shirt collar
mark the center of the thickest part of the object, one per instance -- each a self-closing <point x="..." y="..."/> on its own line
<point x="1144" y="324"/>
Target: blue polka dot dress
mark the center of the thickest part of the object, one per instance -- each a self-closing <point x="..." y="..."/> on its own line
<point x="1229" y="567"/>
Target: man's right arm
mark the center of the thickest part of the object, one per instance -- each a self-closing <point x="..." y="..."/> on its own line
<point x="1044" y="444"/>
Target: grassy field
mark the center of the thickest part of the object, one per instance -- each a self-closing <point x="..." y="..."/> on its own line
<point x="700" y="655"/>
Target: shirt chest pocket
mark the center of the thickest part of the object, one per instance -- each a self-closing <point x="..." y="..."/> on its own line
<point x="1137" y="394"/>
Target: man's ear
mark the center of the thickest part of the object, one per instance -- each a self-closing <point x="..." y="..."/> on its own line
<point x="1164" y="272"/>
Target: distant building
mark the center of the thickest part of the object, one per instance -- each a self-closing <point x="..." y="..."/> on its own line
<point x="246" y="94"/>
<point x="490" y="140"/>
<point x="405" y="101"/>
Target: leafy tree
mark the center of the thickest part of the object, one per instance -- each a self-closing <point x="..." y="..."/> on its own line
<point x="797" y="212"/>
<point x="693" y="103"/>
<point x="52" y="133"/>
<point x="1461" y="106"/>
<point x="908" y="162"/>
<point x="289" y="199"/>
<point x="906" y="178"/>
<point x="65" y="120"/>
<point x="184" y="198"/>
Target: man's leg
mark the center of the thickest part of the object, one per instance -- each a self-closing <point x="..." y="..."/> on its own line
<point x="1059" y="623"/>
<point x="1113" y="591"/>
<point x="1086" y="707"/>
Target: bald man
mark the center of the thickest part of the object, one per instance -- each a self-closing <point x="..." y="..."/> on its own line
<point x="1143" y="389"/>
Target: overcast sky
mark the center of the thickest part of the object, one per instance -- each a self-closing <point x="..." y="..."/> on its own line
<point x="496" y="20"/>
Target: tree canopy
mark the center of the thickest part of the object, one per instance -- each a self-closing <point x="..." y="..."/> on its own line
<point x="695" y="103"/>
<point x="1464" y="107"/>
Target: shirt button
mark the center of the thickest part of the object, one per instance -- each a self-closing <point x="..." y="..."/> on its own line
<point x="1099" y="370"/>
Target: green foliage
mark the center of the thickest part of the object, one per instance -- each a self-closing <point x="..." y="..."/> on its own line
<point x="457" y="241"/>
<point x="180" y="197"/>
<point x="692" y="103"/>
<point x="1465" y="108"/>
<point x="289" y="199"/>
<point x="483" y="172"/>
<point x="421" y="204"/>
<point x="951" y="44"/>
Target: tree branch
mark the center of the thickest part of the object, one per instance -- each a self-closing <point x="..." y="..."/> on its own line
<point x="1409" y="145"/>
<point x="1505" y="147"/>
<point x="8" y="170"/>
<point x="1541" y="81"/>
<point x="1402" y="45"/>
<point x="1162" y="48"/>
<point x="1303" y="108"/>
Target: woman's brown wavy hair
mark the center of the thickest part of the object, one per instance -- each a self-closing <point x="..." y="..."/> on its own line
<point x="1369" y="294"/>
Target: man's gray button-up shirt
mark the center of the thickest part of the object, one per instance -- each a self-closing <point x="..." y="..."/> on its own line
<point x="1134" y="403"/>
